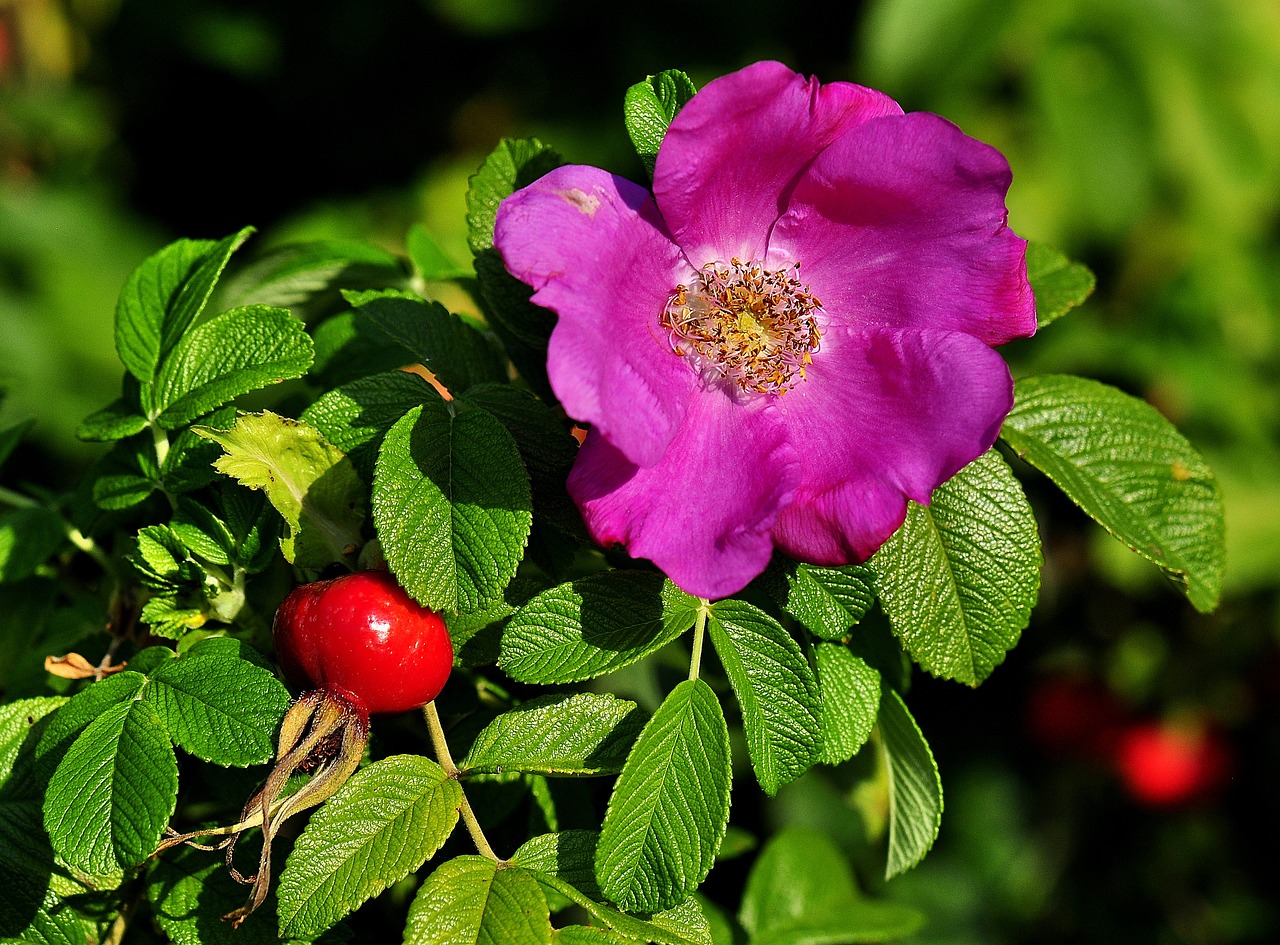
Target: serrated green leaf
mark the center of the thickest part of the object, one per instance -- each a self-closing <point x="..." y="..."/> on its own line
<point x="206" y="535"/>
<point x="27" y="538"/>
<point x="451" y="505"/>
<point x="356" y="416"/>
<point x="189" y="892"/>
<point x="66" y="725"/>
<point x="188" y="465"/>
<point x="569" y="855"/>
<point x="850" y="700"/>
<point x="171" y="618"/>
<point x="349" y="347"/>
<point x="458" y="355"/>
<point x="801" y="891"/>
<point x="959" y="578"/>
<point x="218" y="706"/>
<point x="514" y="163"/>
<point x="469" y="901"/>
<point x="429" y="260"/>
<point x="114" y="791"/>
<point x="915" y="788"/>
<point x="164" y="296"/>
<point x="33" y="904"/>
<point x="310" y="482"/>
<point x="649" y="107"/>
<point x="632" y="928"/>
<point x="827" y="601"/>
<point x="295" y="273"/>
<point x="163" y="562"/>
<point x="1058" y="283"/>
<point x="1129" y="469"/>
<point x="594" y="625"/>
<point x="582" y="733"/>
<point x="589" y="935"/>
<point x="546" y="446"/>
<point x="776" y="690"/>
<point x="127" y="474"/>
<point x="384" y="822"/>
<point x="238" y="351"/>
<point x="670" y="805"/>
<point x="115" y="421"/>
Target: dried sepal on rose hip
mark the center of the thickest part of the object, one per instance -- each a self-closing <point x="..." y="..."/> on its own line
<point x="357" y="645"/>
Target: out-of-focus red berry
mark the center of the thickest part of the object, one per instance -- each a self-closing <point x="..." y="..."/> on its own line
<point x="1168" y="763"/>
<point x="1076" y="715"/>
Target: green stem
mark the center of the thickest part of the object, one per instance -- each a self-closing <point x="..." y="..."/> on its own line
<point x="436" y="731"/>
<point x="161" y="440"/>
<point x="699" y="632"/>
<point x="17" y="499"/>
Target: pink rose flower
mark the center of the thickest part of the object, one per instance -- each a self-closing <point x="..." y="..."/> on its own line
<point x="789" y="337"/>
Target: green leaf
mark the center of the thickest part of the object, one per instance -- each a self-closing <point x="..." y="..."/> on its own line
<point x="850" y="701"/>
<point x="127" y="474"/>
<point x="292" y="274"/>
<point x="17" y="720"/>
<point x="66" y="725"/>
<point x="233" y="353"/>
<point x="582" y="733"/>
<point x="776" y="689"/>
<point x="356" y="416"/>
<point x="164" y="296"/>
<point x="115" y="421"/>
<point x="451" y="505"/>
<point x="188" y="465"/>
<point x="458" y="355"/>
<point x="163" y="562"/>
<point x="469" y="901"/>
<point x="569" y="855"/>
<point x="670" y="805"/>
<point x="546" y="446"/>
<point x="309" y="481"/>
<point x="915" y="789"/>
<point x="828" y="601"/>
<point x="429" y="260"/>
<point x="28" y="537"/>
<point x="189" y="892"/>
<point x="1058" y="283"/>
<point x="1126" y="466"/>
<point x="513" y="164"/>
<point x="200" y="530"/>
<point x="659" y="927"/>
<point x="218" y="705"/>
<point x="801" y="891"/>
<point x="649" y="107"/>
<point x="594" y="625"/>
<point x="381" y="825"/>
<point x="959" y="578"/>
<point x="349" y="347"/>
<point x="114" y="791"/>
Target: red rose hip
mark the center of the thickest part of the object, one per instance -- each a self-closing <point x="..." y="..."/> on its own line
<point x="363" y="638"/>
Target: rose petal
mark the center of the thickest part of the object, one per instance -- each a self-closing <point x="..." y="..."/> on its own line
<point x="882" y="417"/>
<point x="733" y="152"/>
<point x="594" y="249"/>
<point x="901" y="223"/>
<point x="703" y="513"/>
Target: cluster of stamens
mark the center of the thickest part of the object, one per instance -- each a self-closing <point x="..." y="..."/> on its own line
<point x="754" y="326"/>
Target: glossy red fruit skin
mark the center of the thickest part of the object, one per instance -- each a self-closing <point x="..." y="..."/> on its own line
<point x="362" y="637"/>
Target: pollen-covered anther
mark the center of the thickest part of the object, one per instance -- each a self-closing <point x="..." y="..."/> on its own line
<point x="757" y="327"/>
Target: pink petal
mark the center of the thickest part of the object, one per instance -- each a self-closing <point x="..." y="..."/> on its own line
<point x="882" y="417"/>
<point x="594" y="249"/>
<point x="733" y="153"/>
<point x="901" y="223"/>
<point x="703" y="513"/>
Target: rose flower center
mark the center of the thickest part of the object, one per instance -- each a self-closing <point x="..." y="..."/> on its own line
<point x="754" y="326"/>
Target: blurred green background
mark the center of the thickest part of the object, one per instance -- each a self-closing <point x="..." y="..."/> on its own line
<point x="1145" y="141"/>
